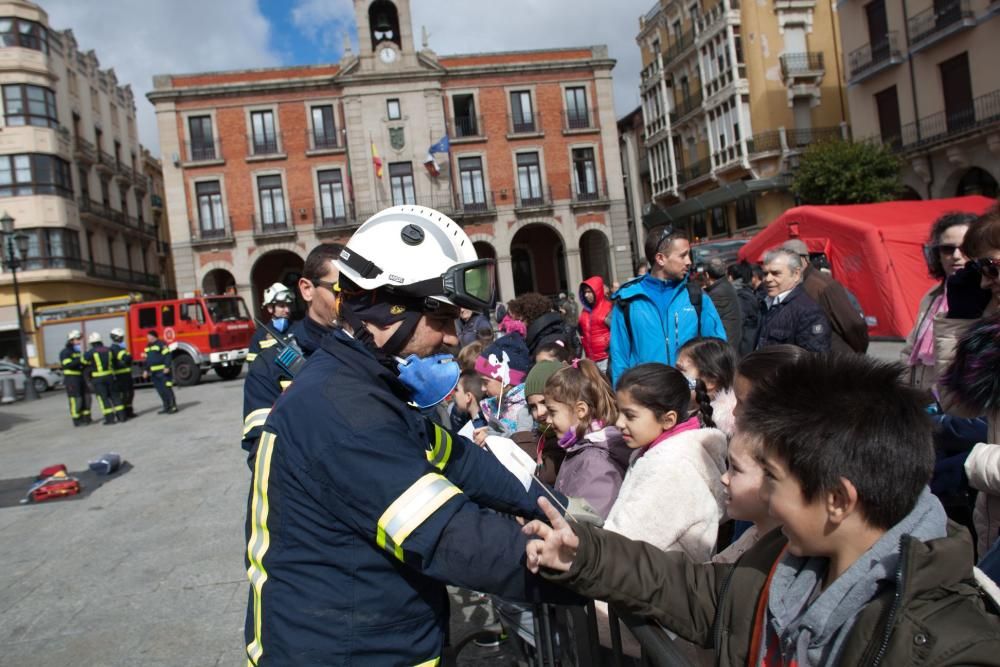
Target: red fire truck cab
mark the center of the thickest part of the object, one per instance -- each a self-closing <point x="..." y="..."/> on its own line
<point x="204" y="333"/>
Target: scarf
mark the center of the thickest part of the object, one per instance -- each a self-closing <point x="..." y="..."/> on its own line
<point x="810" y="629"/>
<point x="923" y="347"/>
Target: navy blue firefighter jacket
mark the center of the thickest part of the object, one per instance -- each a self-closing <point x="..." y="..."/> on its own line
<point x="360" y="512"/>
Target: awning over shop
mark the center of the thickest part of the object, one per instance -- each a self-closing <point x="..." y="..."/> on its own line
<point x="656" y="216"/>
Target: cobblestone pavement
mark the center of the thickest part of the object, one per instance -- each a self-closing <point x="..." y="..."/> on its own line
<point x="148" y="569"/>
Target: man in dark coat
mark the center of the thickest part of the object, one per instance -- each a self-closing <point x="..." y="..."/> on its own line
<point x="849" y="330"/>
<point x="469" y="324"/>
<point x="789" y="316"/>
<point x="725" y="299"/>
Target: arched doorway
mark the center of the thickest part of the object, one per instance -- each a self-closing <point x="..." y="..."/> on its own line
<point x="218" y="281"/>
<point x="595" y="256"/>
<point x="977" y="181"/>
<point x="486" y="251"/>
<point x="277" y="266"/>
<point x="538" y="260"/>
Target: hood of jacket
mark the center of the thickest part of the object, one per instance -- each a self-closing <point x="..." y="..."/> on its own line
<point x="546" y="326"/>
<point x="723" y="407"/>
<point x="596" y="284"/>
<point x="608" y="438"/>
<point x="972" y="377"/>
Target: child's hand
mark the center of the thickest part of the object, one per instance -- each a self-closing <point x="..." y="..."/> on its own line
<point x="557" y="545"/>
<point x="479" y="435"/>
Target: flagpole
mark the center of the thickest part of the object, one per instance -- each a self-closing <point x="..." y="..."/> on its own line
<point x="451" y="175"/>
<point x="350" y="175"/>
<point x="375" y="180"/>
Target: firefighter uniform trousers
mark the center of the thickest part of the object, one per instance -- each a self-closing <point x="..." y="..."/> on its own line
<point x="157" y="359"/>
<point x="123" y="378"/>
<point x="359" y="511"/>
<point x="101" y="364"/>
<point x="76" y="386"/>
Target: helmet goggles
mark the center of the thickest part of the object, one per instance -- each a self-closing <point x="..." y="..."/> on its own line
<point x="467" y="285"/>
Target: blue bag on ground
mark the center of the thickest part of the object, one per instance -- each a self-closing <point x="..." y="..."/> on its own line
<point x="106" y="463"/>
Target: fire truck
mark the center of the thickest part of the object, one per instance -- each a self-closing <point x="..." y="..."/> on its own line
<point x="204" y="332"/>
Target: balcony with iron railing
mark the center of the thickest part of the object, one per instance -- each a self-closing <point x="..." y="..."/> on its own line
<point x="686" y="106"/>
<point x="465" y="128"/>
<point x="366" y="208"/>
<point x="943" y="127"/>
<point x="267" y="147"/>
<point x="471" y="205"/>
<point x="807" y="65"/>
<point x="533" y="199"/>
<point x="530" y="125"/>
<point x="122" y="274"/>
<point x="212" y="232"/>
<point x="713" y="17"/>
<point x="197" y="151"/>
<point x="589" y="194"/>
<point x="939" y="21"/>
<point x="694" y="171"/>
<point x="580" y="120"/>
<point x="332" y="220"/>
<point x="318" y="140"/>
<point x="654" y="127"/>
<point x="41" y="263"/>
<point x="680" y="45"/>
<point x="868" y="60"/>
<point x="106" y="162"/>
<point x="84" y="151"/>
<point x="650" y="73"/>
<point x="727" y="155"/>
<point x="276" y="224"/>
<point x="726" y="77"/>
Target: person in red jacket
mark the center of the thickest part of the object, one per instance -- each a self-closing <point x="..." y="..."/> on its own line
<point x="594" y="318"/>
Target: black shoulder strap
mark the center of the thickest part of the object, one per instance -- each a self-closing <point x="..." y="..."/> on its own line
<point x="694" y="295"/>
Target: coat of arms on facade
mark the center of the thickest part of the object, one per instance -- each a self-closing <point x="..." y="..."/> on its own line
<point x="396" y="138"/>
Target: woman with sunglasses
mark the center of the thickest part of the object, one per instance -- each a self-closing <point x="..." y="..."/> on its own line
<point x="967" y="346"/>
<point x="944" y="257"/>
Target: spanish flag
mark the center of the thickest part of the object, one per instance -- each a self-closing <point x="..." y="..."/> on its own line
<point x="376" y="161"/>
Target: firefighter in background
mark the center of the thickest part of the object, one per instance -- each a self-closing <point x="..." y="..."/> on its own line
<point x="71" y="359"/>
<point x="361" y="511"/>
<point x="158" y="371"/>
<point x="266" y="379"/>
<point x="123" y="371"/>
<point x="278" y="301"/>
<point x="101" y="366"/>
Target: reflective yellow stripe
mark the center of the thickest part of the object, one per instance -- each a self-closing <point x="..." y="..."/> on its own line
<point x="439" y="456"/>
<point x="157" y="367"/>
<point x="251" y="356"/>
<point x="284" y="384"/>
<point x="267" y="342"/>
<point x="74" y="412"/>
<point x="71" y="372"/>
<point x="430" y="663"/>
<point x="412" y="508"/>
<point x="255" y="419"/>
<point x="260" y="537"/>
<point x="67" y="361"/>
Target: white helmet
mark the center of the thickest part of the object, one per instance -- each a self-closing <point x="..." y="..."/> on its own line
<point x="277" y="293"/>
<point x="419" y="253"/>
<point x="117" y="334"/>
<point x="73" y="334"/>
<point x="94" y="337"/>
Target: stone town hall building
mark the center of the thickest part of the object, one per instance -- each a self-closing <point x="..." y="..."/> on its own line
<point x="261" y="165"/>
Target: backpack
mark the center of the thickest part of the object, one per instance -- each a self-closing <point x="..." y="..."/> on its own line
<point x="694" y="295"/>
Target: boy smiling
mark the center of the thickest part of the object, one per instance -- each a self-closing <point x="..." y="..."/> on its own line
<point x="866" y="569"/>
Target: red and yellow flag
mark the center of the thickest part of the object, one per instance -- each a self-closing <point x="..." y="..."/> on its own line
<point x="376" y="161"/>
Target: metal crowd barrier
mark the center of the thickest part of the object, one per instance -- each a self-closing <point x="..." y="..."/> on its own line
<point x="567" y="636"/>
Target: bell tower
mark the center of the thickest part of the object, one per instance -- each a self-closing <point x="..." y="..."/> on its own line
<point x="385" y="33"/>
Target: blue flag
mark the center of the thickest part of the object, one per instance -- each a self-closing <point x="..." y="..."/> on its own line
<point x="442" y="146"/>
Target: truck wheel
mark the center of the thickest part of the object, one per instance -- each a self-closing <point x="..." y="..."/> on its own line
<point x="230" y="372"/>
<point x="186" y="373"/>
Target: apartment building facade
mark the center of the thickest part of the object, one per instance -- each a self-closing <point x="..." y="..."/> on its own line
<point x="261" y="165"/>
<point x="732" y="92"/>
<point x="923" y="78"/>
<point x="70" y="175"/>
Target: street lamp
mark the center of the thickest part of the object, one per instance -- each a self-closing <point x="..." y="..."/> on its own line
<point x="13" y="262"/>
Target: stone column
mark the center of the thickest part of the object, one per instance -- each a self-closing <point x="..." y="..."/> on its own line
<point x="574" y="269"/>
<point x="506" y="278"/>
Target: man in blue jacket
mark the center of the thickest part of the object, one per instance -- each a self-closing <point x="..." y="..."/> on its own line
<point x="657" y="313"/>
<point x="361" y="510"/>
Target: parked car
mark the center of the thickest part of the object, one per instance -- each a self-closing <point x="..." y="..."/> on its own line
<point x="43" y="378"/>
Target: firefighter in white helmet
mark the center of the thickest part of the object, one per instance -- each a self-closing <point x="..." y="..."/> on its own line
<point x="278" y="300"/>
<point x="100" y="365"/>
<point x="123" y="371"/>
<point x="71" y="360"/>
<point x="361" y="509"/>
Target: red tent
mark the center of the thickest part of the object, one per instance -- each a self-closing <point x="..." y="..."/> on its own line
<point x="875" y="250"/>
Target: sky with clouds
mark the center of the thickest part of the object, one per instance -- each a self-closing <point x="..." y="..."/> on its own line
<point x="141" y="38"/>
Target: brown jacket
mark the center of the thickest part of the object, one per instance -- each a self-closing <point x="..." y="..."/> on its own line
<point x="935" y="614"/>
<point x="850" y="331"/>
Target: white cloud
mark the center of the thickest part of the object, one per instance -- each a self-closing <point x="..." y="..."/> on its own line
<point x="324" y="22"/>
<point x="163" y="37"/>
<point x="509" y="25"/>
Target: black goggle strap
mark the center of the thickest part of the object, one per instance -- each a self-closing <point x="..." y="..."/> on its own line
<point x="365" y="268"/>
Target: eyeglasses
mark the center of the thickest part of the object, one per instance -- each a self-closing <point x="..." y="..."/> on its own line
<point x="332" y="286"/>
<point x="667" y="231"/>
<point x="989" y="267"/>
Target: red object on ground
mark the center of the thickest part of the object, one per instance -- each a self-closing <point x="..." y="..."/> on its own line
<point x="51" y="470"/>
<point x="875" y="250"/>
<point x="56" y="488"/>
